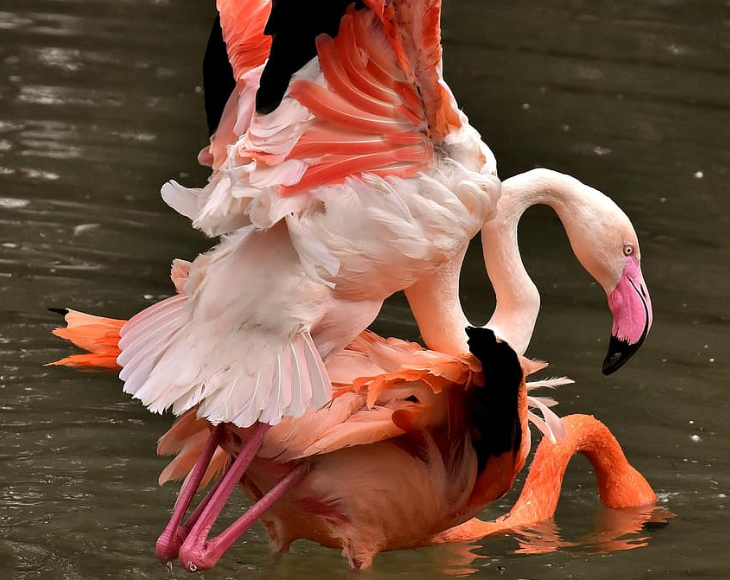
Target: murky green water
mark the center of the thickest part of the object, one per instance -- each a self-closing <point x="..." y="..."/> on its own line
<point x="99" y="105"/>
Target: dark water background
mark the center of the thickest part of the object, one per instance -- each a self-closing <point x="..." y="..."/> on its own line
<point x="100" y="104"/>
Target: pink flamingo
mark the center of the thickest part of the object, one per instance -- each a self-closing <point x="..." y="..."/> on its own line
<point x="343" y="172"/>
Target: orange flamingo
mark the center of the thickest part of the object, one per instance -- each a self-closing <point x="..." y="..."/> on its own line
<point x="403" y="420"/>
<point x="429" y="439"/>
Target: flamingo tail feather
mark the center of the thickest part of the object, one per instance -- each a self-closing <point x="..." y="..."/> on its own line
<point x="97" y="335"/>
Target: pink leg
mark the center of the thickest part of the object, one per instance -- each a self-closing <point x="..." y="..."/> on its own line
<point x="169" y="542"/>
<point x="204" y="555"/>
<point x="199" y="553"/>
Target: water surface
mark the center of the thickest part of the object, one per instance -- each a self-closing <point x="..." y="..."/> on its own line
<point x="100" y="103"/>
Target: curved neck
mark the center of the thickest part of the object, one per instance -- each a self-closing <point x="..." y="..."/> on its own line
<point x="619" y="484"/>
<point x="518" y="301"/>
<point x="434" y="299"/>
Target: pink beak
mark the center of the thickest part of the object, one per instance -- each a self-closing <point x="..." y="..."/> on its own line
<point x="632" y="316"/>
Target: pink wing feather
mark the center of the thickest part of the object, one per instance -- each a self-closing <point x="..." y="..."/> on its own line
<point x="243" y="26"/>
<point x="248" y="48"/>
<point x="368" y="117"/>
<point x="373" y="102"/>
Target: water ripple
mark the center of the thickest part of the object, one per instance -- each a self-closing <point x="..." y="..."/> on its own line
<point x="62" y="96"/>
<point x="13" y="203"/>
<point x="11" y="21"/>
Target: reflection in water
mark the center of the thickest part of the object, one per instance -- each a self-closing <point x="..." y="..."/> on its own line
<point x="60" y="96"/>
<point x="460" y="559"/>
<point x="612" y="527"/>
<point x="616" y="530"/>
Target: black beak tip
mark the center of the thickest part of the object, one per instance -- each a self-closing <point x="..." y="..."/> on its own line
<point x="619" y="353"/>
<point x="612" y="363"/>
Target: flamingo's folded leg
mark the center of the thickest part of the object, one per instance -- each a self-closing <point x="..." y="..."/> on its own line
<point x="169" y="542"/>
<point x="197" y="551"/>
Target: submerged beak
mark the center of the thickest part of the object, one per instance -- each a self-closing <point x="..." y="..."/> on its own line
<point x="632" y="316"/>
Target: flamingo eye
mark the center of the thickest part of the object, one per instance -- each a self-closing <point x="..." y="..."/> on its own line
<point x="628" y="250"/>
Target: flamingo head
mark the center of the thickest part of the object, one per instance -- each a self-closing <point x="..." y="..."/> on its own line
<point x="630" y="305"/>
<point x="608" y="248"/>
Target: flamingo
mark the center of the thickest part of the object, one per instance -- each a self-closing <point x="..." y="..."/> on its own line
<point x="430" y="440"/>
<point x="435" y="297"/>
<point x="449" y="446"/>
<point x="343" y="171"/>
<point x="452" y="430"/>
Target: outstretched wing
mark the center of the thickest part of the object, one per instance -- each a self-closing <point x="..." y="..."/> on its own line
<point x="364" y="114"/>
<point x="346" y="91"/>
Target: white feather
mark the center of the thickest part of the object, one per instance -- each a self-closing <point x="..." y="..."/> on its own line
<point x="312" y="252"/>
<point x="148" y="313"/>
<point x="321" y="388"/>
<point x="272" y="411"/>
<point x="549" y="383"/>
<point x="182" y="199"/>
<point x="139" y="343"/>
<point x="553" y="423"/>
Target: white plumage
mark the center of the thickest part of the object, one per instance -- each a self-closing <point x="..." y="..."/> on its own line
<point x="299" y="273"/>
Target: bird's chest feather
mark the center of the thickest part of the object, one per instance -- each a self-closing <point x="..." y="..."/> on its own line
<point x="385" y="234"/>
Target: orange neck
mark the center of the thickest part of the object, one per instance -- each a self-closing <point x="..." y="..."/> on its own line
<point x="619" y="484"/>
